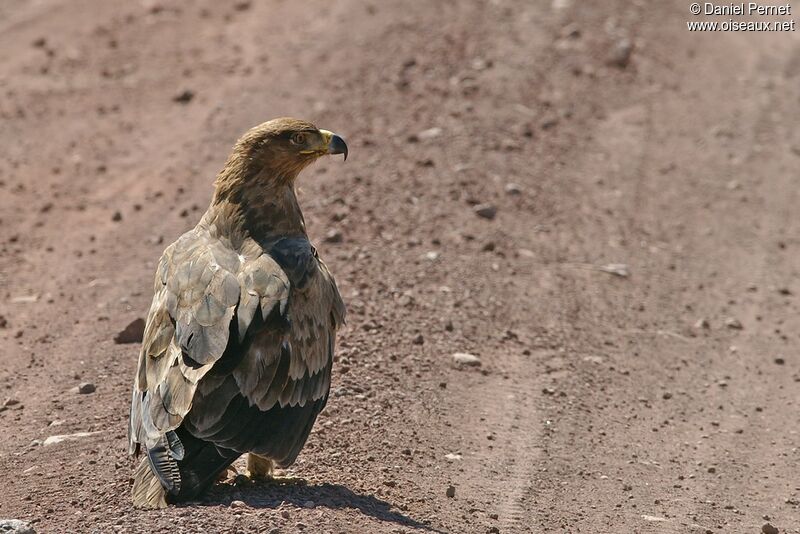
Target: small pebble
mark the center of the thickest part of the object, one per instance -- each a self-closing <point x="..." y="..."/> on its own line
<point x="621" y="53"/>
<point x="86" y="387"/>
<point x="486" y="211"/>
<point x="184" y="97"/>
<point x="451" y="491"/>
<point x="702" y="324"/>
<point x="431" y="133"/>
<point x="469" y="360"/>
<point x="334" y="236"/>
<point x="617" y="269"/>
<point x="733" y="323"/>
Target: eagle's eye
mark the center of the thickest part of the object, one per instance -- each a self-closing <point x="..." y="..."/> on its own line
<point x="299" y="139"/>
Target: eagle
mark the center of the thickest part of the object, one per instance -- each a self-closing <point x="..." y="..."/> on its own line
<point x="238" y="345"/>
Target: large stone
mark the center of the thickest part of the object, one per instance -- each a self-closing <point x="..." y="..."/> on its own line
<point x="15" y="526"/>
<point x="132" y="333"/>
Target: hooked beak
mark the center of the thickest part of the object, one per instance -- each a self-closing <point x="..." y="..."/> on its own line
<point x="334" y="143"/>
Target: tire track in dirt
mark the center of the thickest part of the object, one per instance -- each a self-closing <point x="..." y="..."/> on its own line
<point x="509" y="405"/>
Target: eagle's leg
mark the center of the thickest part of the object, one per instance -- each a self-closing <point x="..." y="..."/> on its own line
<point x="258" y="467"/>
<point x="263" y="469"/>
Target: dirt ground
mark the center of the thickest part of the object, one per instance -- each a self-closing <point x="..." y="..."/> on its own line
<point x="661" y="402"/>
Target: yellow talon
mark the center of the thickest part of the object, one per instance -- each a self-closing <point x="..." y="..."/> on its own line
<point x="259" y="467"/>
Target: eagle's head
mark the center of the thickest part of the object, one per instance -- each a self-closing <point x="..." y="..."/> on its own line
<point x="283" y="147"/>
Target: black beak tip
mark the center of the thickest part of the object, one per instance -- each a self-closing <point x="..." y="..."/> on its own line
<point x="338" y="146"/>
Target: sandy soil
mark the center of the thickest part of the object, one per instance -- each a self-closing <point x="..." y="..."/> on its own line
<point x="664" y="401"/>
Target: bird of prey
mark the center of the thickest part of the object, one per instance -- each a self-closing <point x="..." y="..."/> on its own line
<point x="237" y="351"/>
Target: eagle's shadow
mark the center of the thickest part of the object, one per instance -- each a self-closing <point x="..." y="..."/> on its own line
<point x="303" y="496"/>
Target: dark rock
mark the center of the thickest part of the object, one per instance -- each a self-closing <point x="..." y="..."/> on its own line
<point x="132" y="333"/>
<point x="486" y="211"/>
<point x="85" y="388"/>
<point x="184" y="97"/>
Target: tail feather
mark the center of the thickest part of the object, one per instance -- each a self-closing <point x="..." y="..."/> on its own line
<point x="147" y="489"/>
<point x="164" y="465"/>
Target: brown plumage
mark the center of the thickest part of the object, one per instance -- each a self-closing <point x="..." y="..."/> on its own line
<point x="237" y="351"/>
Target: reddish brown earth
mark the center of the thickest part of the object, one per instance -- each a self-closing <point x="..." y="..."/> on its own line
<point x="603" y="404"/>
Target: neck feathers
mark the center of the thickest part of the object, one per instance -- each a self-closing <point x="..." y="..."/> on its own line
<point x="256" y="200"/>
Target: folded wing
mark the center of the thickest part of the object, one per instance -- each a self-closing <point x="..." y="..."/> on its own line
<point x="201" y="284"/>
